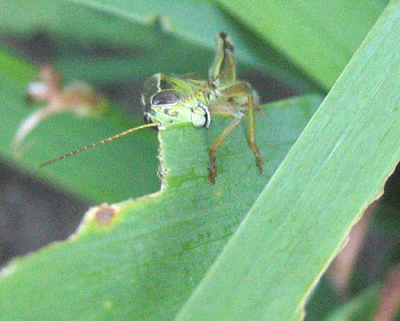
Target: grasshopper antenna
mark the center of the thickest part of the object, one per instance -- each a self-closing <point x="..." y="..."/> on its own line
<point x="99" y="143"/>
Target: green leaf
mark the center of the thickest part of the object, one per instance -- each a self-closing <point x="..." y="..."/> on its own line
<point x="121" y="40"/>
<point x="332" y="173"/>
<point x="318" y="36"/>
<point x="141" y="259"/>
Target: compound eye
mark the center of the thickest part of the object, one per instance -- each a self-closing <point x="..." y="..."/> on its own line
<point x="165" y="98"/>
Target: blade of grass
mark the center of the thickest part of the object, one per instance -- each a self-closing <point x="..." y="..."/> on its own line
<point x="107" y="41"/>
<point x="172" y="18"/>
<point x="318" y="36"/>
<point x="337" y="167"/>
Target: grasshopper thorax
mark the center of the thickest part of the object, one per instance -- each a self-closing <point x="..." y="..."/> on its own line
<point x="169" y="100"/>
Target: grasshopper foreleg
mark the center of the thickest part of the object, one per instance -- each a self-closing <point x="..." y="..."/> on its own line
<point x="217" y="143"/>
<point x="251" y="135"/>
<point x="238" y="111"/>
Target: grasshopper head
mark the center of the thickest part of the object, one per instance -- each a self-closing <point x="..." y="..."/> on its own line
<point x="170" y="100"/>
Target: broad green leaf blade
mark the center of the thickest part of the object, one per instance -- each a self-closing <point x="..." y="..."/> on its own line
<point x="141" y="259"/>
<point x="333" y="172"/>
<point x="99" y="46"/>
<point x="177" y="18"/>
<point x="103" y="175"/>
<point x="130" y="35"/>
<point x="318" y="36"/>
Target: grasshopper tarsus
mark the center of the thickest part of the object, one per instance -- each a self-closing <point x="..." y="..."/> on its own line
<point x="211" y="178"/>
<point x="259" y="159"/>
<point x="213" y="167"/>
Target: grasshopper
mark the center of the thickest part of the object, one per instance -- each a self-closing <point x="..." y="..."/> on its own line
<point x="169" y="100"/>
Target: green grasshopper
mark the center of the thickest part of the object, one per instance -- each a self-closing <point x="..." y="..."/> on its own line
<point x="169" y="100"/>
